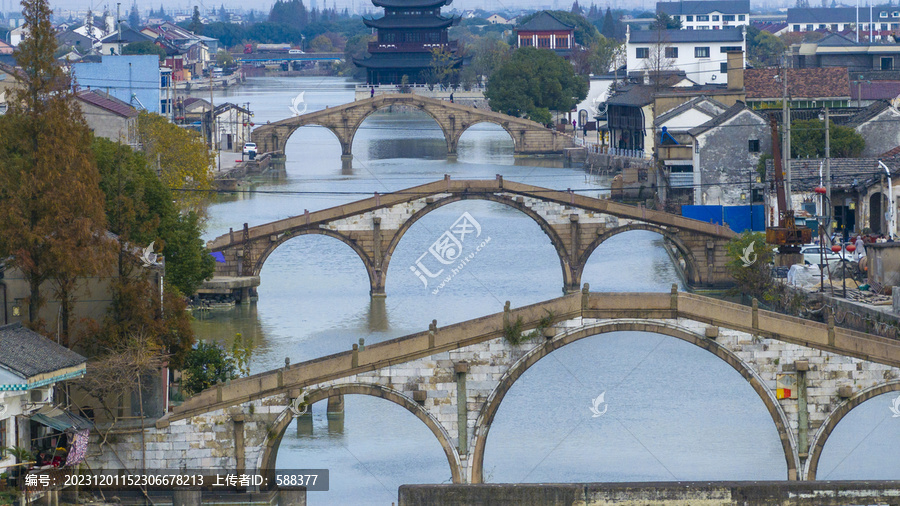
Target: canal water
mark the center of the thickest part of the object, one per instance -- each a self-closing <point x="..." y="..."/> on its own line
<point x="674" y="411"/>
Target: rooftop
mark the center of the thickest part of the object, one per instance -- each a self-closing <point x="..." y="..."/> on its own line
<point x="544" y="21"/>
<point x="27" y="353"/>
<point x="817" y="83"/>
<point x="704" y="7"/>
<point x="673" y="36"/>
<point x="108" y="103"/>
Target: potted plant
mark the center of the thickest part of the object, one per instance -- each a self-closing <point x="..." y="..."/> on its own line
<point x="4" y="477"/>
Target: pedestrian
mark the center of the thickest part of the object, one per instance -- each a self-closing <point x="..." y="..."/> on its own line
<point x="860" y="247"/>
<point x="573" y="125"/>
<point x="451" y="97"/>
<point x="372" y="92"/>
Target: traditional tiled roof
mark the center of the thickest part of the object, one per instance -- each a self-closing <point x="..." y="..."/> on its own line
<point x="108" y="103"/>
<point x="836" y="40"/>
<point x="410" y="22"/>
<point x="27" y="353"/>
<point x="771" y="27"/>
<point x="674" y="36"/>
<point x="399" y="4"/>
<point x="636" y="95"/>
<point x="868" y="113"/>
<point x="398" y="61"/>
<point x="701" y="103"/>
<point x="876" y="90"/>
<point x="704" y="7"/>
<point x="826" y="15"/>
<point x="845" y="172"/>
<point x="813" y="84"/>
<point x="545" y="21"/>
<point x="732" y="111"/>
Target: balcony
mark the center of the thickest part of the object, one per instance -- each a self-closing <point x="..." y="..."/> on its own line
<point x="409" y="47"/>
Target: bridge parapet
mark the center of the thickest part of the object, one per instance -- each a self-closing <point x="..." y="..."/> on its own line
<point x="239" y="424"/>
<point x="575" y="224"/>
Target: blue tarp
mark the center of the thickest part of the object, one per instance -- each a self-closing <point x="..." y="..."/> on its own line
<point x="219" y="256"/>
<point x="736" y="217"/>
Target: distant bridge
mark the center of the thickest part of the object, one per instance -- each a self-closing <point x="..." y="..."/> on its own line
<point x="283" y="57"/>
<point x="575" y="224"/>
<point x="455" y="378"/>
<point x="454" y="119"/>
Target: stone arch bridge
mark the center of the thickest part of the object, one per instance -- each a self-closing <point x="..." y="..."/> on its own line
<point x="454" y="119"/>
<point x="454" y="379"/>
<point x="575" y="224"/>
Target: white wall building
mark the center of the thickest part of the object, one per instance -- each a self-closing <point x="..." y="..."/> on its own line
<point x="706" y="15"/>
<point x="701" y="54"/>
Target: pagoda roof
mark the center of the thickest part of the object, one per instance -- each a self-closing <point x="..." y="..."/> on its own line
<point x="398" y="61"/>
<point x="544" y="21"/>
<point x="399" y="4"/>
<point x="410" y="22"/>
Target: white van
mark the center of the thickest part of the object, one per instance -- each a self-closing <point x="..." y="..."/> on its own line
<point x="295" y="51"/>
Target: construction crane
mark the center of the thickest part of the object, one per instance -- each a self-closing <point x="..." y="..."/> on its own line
<point x="787" y="235"/>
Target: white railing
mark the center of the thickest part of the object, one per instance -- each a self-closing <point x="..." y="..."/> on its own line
<point x="606" y="150"/>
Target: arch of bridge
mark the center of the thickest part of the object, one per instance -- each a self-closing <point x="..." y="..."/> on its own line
<point x="834" y="418"/>
<point x="269" y="454"/>
<point x="329" y="120"/>
<point x="689" y="260"/>
<point x="555" y="240"/>
<point x="272" y="246"/>
<point x="492" y="404"/>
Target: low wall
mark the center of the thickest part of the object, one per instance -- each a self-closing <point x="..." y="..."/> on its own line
<point x="793" y="493"/>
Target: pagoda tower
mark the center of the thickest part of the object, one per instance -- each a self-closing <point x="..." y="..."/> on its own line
<point x="407" y="34"/>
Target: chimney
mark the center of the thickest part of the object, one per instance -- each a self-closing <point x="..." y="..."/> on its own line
<point x="735" y="70"/>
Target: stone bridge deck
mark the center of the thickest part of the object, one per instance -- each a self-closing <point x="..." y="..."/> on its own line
<point x="239" y="424"/>
<point x="576" y="225"/>
<point x="454" y="119"/>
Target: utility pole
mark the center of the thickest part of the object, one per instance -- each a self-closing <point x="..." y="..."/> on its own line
<point x="786" y="122"/>
<point x="827" y="213"/>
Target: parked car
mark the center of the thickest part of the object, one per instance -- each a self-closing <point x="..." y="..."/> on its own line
<point x="812" y="255"/>
<point x="249" y="148"/>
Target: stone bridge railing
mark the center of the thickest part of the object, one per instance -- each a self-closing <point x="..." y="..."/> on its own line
<point x="715" y="312"/>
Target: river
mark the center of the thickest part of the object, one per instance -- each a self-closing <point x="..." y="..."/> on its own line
<point x="675" y="412"/>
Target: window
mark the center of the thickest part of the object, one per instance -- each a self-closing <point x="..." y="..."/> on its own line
<point x="703" y="28"/>
<point x="887" y="63"/>
<point x="809" y="28"/>
<point x="701" y="52"/>
<point x="796" y="28"/>
<point x="642" y="53"/>
<point x="741" y="17"/>
<point x="834" y="27"/>
<point x="895" y="14"/>
<point x="526" y="42"/>
<point x="543" y="41"/>
<point x="882" y="14"/>
<point x="4" y="433"/>
<point x="821" y="27"/>
<point x="703" y="18"/>
<point x="753" y="145"/>
<point x="562" y="42"/>
<point x="727" y="17"/>
<point x="671" y="52"/>
<point x="689" y="18"/>
<point x="884" y="26"/>
<point x="676" y="18"/>
<point x="725" y="49"/>
<point x="723" y="68"/>
<point x="715" y="17"/>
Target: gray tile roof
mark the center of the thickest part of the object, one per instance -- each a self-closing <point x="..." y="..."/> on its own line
<point x="732" y="111"/>
<point x="545" y="21"/>
<point x="27" y="353"/>
<point x="845" y="172"/>
<point x="673" y="36"/>
<point x="868" y="113"/>
<point x="704" y="7"/>
<point x="635" y="95"/>
<point x="701" y="103"/>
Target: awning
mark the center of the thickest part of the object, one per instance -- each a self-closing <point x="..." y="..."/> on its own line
<point x="60" y="419"/>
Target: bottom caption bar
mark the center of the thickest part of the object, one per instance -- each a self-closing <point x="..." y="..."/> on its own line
<point x="313" y="480"/>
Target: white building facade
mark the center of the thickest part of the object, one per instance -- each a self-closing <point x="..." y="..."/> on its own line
<point x="706" y="15"/>
<point x="702" y="55"/>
